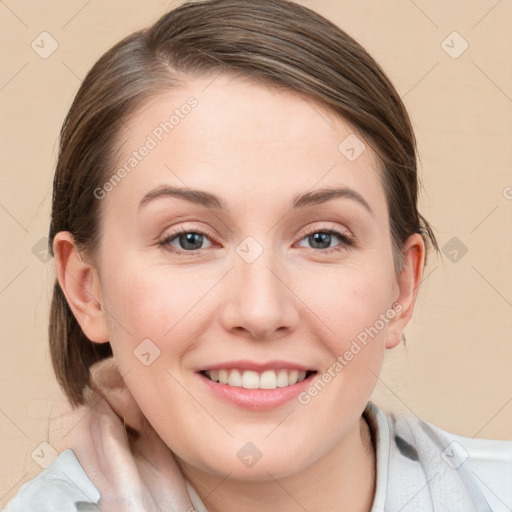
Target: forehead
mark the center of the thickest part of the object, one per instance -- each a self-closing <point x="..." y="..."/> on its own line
<point x="241" y="139"/>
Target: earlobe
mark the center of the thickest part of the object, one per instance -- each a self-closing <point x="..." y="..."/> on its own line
<point x="408" y="281"/>
<point x="80" y="284"/>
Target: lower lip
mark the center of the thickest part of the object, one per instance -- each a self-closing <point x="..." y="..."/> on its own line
<point x="256" y="399"/>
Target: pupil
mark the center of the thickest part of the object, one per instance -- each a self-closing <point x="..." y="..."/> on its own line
<point x="321" y="238"/>
<point x="191" y="239"/>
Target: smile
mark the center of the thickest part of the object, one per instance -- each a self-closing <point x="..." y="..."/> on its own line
<point x="256" y="385"/>
<point x="249" y="379"/>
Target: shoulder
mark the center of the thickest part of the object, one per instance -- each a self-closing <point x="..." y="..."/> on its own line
<point x="490" y="462"/>
<point x="462" y="469"/>
<point x="61" y="487"/>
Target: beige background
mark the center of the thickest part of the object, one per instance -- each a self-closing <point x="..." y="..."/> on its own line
<point x="455" y="371"/>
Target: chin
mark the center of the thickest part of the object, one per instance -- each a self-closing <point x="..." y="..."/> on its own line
<point x="259" y="460"/>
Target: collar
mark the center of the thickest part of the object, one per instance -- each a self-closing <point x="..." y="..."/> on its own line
<point x="379" y="428"/>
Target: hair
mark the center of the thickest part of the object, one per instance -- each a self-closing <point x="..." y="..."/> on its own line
<point x="275" y="42"/>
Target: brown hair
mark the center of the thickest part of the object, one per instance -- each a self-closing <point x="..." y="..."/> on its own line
<point x="277" y="42"/>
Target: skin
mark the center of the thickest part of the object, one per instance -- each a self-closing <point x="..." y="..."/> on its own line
<point x="256" y="148"/>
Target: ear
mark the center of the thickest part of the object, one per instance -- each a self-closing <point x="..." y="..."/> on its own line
<point x="409" y="279"/>
<point x="80" y="284"/>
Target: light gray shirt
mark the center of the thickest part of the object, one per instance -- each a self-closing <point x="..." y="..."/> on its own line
<point x="419" y="468"/>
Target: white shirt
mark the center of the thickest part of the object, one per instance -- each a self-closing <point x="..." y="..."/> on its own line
<point x="419" y="468"/>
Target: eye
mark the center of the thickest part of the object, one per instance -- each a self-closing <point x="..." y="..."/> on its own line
<point x="321" y="239"/>
<point x="185" y="240"/>
<point x="190" y="240"/>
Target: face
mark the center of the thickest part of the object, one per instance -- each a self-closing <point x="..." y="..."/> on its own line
<point x="264" y="280"/>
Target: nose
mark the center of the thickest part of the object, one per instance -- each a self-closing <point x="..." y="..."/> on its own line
<point x="260" y="300"/>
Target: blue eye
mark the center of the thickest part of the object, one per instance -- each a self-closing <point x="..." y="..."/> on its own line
<point x="321" y="239"/>
<point x="187" y="240"/>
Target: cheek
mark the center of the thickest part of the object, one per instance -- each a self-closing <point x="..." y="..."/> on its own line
<point x="152" y="301"/>
<point x="355" y="304"/>
<point x="349" y="301"/>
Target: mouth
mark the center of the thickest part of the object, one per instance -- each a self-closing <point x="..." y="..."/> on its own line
<point x="256" y="386"/>
<point x="250" y="379"/>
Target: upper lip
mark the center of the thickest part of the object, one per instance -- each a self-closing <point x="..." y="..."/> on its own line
<point x="257" y="366"/>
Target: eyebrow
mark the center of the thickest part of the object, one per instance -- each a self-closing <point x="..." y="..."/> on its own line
<point x="212" y="201"/>
<point x="326" y="194"/>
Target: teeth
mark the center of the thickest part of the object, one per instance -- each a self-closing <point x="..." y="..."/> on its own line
<point x="282" y="379"/>
<point x="292" y="377"/>
<point x="268" y="380"/>
<point x="235" y="378"/>
<point x="223" y="376"/>
<point x="248" y="379"/>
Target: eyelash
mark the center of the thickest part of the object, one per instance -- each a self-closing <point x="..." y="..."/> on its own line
<point x="347" y="241"/>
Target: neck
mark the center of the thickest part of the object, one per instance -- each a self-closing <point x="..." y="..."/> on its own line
<point x="344" y="479"/>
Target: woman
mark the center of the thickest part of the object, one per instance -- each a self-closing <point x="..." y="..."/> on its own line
<point x="237" y="241"/>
